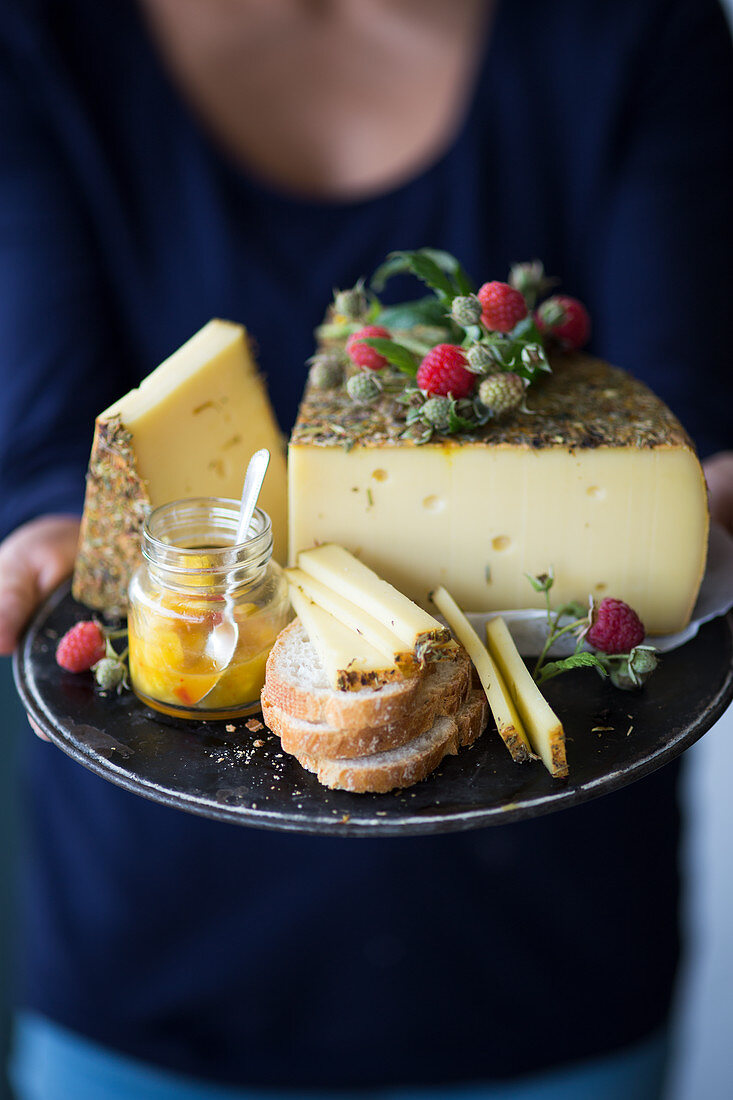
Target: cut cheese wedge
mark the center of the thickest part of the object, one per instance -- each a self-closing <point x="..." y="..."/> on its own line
<point x="543" y="727"/>
<point x="381" y="637"/>
<point x="598" y="481"/>
<point x="508" y="722"/>
<point x="348" y="577"/>
<point x="188" y="430"/>
<point x="349" y="660"/>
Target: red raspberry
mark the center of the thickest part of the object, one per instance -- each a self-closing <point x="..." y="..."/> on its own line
<point x="503" y="306"/>
<point x="443" y="372"/>
<point x="615" y="627"/>
<point x="566" y="319"/>
<point x="81" y="647"/>
<point x="362" y="354"/>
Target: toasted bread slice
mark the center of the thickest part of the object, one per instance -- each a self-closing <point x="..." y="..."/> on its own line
<point x="442" y="689"/>
<point x="408" y="764"/>
<point x="296" y="683"/>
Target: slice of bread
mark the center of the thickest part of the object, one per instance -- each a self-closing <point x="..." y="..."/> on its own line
<point x="297" y="685"/>
<point x="407" y="764"/>
<point x="441" y="690"/>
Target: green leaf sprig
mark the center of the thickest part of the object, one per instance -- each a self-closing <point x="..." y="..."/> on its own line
<point x="626" y="670"/>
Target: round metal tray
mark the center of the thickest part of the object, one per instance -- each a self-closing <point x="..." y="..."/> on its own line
<point x="216" y="769"/>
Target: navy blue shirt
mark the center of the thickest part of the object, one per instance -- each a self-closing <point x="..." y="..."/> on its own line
<point x="599" y="137"/>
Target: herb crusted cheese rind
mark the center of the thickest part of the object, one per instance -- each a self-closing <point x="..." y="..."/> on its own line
<point x="115" y="509"/>
<point x="584" y="403"/>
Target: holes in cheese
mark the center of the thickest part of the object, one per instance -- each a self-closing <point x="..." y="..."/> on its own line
<point x="349" y="660"/>
<point x="384" y="640"/>
<point x="508" y="722"/>
<point x="345" y="575"/>
<point x="543" y="727"/>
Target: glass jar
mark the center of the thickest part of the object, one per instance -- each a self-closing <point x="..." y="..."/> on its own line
<point x="204" y="612"/>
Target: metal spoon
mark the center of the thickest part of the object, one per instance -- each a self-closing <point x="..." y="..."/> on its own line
<point x="222" y="640"/>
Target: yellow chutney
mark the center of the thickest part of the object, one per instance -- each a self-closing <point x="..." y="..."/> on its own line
<point x="204" y="611"/>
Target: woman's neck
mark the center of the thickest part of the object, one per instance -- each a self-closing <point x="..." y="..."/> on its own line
<point x="331" y="99"/>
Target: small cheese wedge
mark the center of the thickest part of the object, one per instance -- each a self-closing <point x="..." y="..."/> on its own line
<point x="340" y="571"/>
<point x="349" y="660"/>
<point x="544" y="728"/>
<point x="188" y="430"/>
<point x="381" y="637"/>
<point x="508" y="722"/>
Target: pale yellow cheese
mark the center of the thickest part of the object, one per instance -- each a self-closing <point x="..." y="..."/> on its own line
<point x="628" y="522"/>
<point x="541" y="723"/>
<point x="349" y="660"/>
<point x="501" y="705"/>
<point x="339" y="570"/>
<point x="351" y="615"/>
<point x="197" y="419"/>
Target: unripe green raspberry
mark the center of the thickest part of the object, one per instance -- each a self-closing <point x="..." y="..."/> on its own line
<point x="436" y="411"/>
<point x="351" y="304"/>
<point x="480" y="359"/>
<point x="530" y="280"/>
<point x="501" y="393"/>
<point x="533" y="357"/>
<point x="363" y="388"/>
<point x="326" y="371"/>
<point x="643" y="661"/>
<point x="109" y="673"/>
<point x="466" y="310"/>
<point x="633" y="671"/>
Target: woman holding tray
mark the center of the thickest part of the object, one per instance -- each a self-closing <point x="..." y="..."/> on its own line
<point x="167" y="161"/>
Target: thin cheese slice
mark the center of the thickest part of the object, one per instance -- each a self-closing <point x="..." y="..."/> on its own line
<point x="188" y="430"/>
<point x="381" y="637"/>
<point x="505" y="714"/>
<point x="544" y="728"/>
<point x="349" y="660"/>
<point x="347" y="576"/>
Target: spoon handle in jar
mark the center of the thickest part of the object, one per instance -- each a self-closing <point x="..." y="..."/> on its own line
<point x="252" y="484"/>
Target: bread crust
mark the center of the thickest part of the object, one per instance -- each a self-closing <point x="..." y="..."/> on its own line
<point x="407" y="765"/>
<point x="352" y="710"/>
<point x="441" y="691"/>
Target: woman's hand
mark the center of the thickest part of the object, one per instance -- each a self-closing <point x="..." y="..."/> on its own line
<point x="33" y="560"/>
<point x="719" y="476"/>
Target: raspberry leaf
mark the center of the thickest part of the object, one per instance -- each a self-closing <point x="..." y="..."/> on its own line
<point x="423" y="311"/>
<point x="527" y="330"/>
<point x="394" y="353"/>
<point x="439" y="270"/>
<point x="576" y="660"/>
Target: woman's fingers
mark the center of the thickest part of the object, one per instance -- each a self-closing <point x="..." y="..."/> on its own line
<point x="33" y="560"/>
<point x="719" y="476"/>
<point x="37" y="730"/>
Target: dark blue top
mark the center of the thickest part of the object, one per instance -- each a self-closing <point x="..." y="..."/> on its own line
<point x="599" y="138"/>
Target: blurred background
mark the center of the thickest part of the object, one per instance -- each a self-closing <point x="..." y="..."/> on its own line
<point x="703" y="1051"/>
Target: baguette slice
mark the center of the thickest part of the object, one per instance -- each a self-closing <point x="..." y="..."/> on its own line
<point x="443" y="688"/>
<point x="406" y="765"/>
<point x="297" y="684"/>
